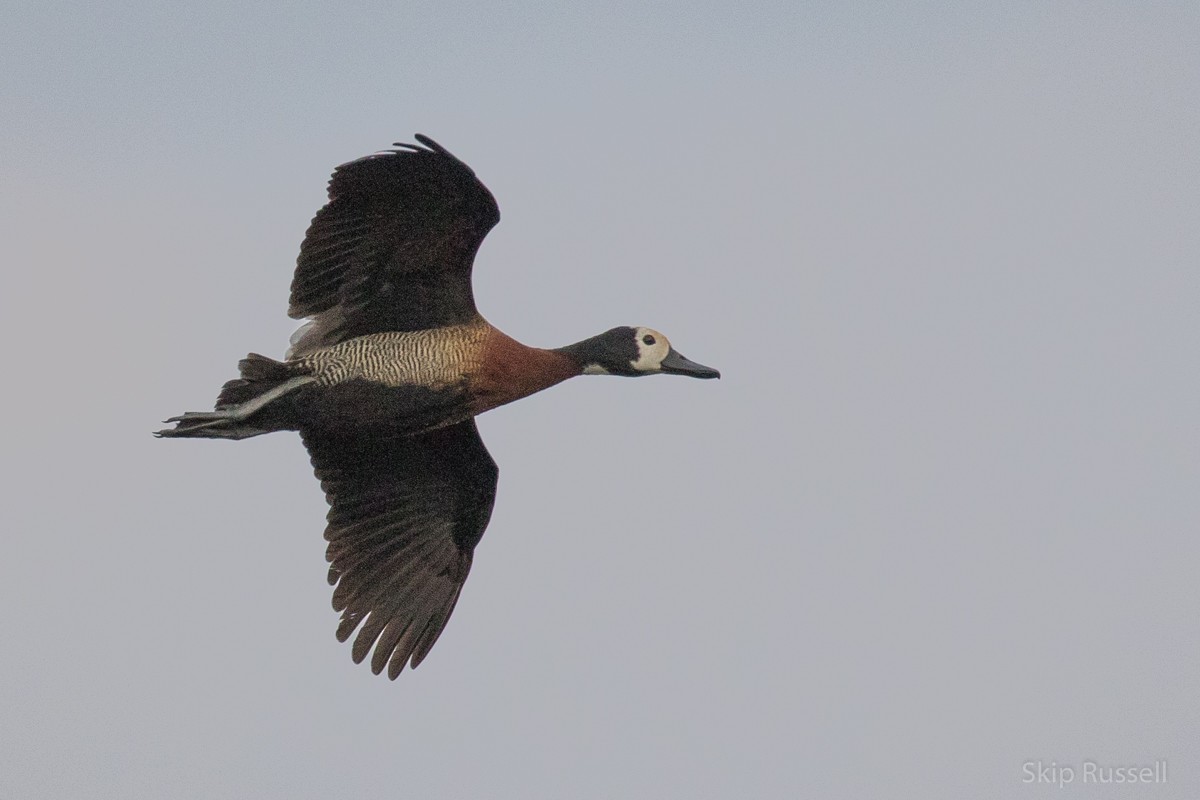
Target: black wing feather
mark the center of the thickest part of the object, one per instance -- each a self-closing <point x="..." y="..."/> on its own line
<point x="393" y="248"/>
<point x="405" y="516"/>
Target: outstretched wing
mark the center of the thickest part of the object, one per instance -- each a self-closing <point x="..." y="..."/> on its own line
<point x="405" y="516"/>
<point x="392" y="249"/>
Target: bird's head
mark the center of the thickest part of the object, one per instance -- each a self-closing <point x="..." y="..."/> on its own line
<point x="634" y="352"/>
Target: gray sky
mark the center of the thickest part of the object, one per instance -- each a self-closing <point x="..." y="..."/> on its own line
<point x="938" y="520"/>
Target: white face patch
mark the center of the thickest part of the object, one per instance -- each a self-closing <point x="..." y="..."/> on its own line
<point x="594" y="369"/>
<point x="653" y="347"/>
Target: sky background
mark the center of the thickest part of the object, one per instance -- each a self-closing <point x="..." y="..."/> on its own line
<point x="938" y="519"/>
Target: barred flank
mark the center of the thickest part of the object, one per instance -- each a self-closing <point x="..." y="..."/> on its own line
<point x="432" y="358"/>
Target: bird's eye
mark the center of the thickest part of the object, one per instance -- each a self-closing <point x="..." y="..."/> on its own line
<point x="647" y="339"/>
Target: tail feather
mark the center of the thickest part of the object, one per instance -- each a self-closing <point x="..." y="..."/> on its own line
<point x="247" y="406"/>
<point x="258" y="374"/>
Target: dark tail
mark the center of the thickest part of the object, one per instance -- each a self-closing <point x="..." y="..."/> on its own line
<point x="247" y="406"/>
<point x="259" y="374"/>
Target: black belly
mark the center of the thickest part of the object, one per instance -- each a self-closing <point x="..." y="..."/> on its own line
<point x="359" y="405"/>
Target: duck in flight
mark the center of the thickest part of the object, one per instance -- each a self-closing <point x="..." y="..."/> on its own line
<point x="384" y="383"/>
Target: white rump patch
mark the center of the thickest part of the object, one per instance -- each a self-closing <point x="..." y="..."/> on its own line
<point x="297" y="337"/>
<point x="314" y="334"/>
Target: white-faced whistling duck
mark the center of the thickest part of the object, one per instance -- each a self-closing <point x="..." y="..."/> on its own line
<point x="384" y="382"/>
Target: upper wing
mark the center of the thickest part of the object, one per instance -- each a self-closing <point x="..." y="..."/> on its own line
<point x="392" y="249"/>
<point x="405" y="516"/>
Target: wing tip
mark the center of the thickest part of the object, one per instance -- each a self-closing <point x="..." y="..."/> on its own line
<point x="424" y="144"/>
<point x="431" y="144"/>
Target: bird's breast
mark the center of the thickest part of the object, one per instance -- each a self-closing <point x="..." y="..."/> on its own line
<point x="510" y="370"/>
